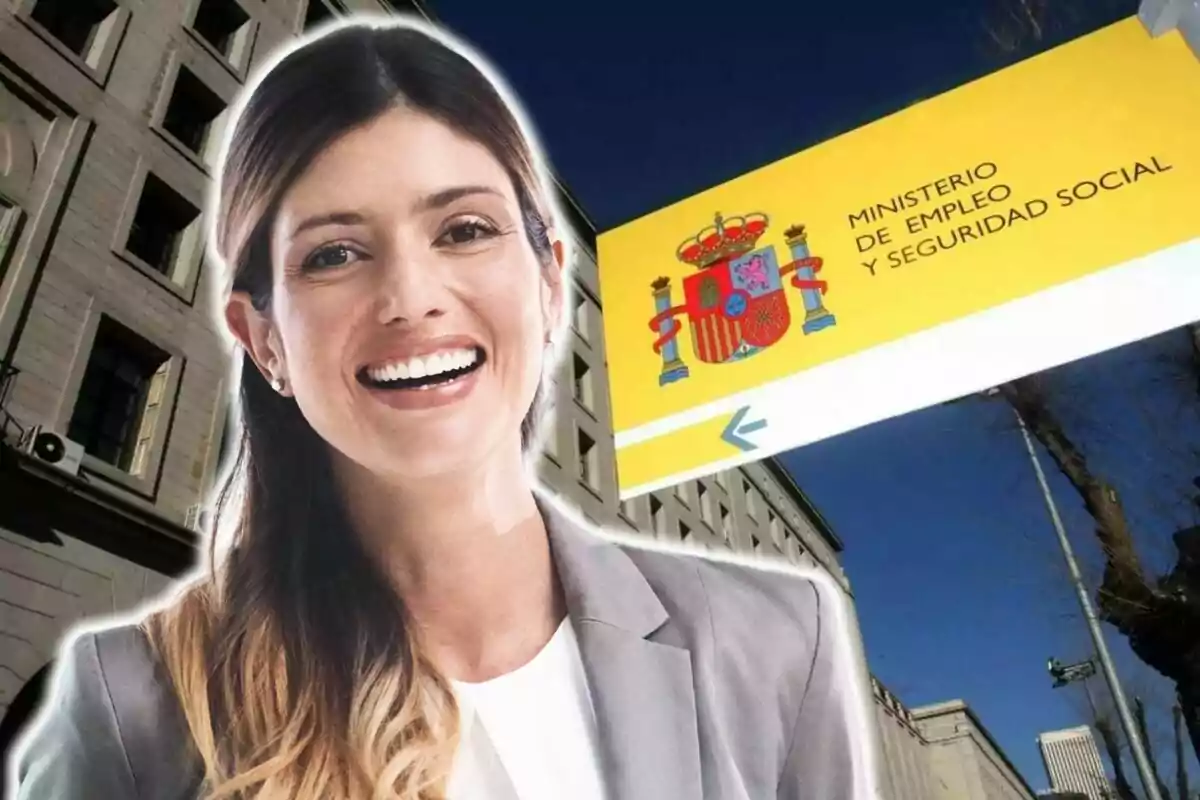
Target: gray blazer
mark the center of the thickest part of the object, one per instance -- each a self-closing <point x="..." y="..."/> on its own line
<point x="711" y="681"/>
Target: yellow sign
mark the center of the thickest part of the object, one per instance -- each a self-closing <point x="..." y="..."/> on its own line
<point x="824" y="284"/>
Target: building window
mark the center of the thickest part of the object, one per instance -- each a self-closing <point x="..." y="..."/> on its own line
<point x="165" y="230"/>
<point x="775" y="526"/>
<point x="685" y="533"/>
<point x="722" y="480"/>
<point x="83" y="26"/>
<point x="752" y="499"/>
<point x="789" y="532"/>
<point x="9" y="216"/>
<point x="657" y="515"/>
<point x="225" y="26"/>
<point x="318" y="12"/>
<point x="588" y="461"/>
<point x="799" y="547"/>
<point x="582" y="383"/>
<point x="702" y="504"/>
<point x="121" y="397"/>
<point x="193" y="114"/>
<point x="723" y="521"/>
<point x="581" y="314"/>
<point x="550" y="438"/>
<point x="791" y="549"/>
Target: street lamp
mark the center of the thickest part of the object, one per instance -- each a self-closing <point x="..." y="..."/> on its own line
<point x="1071" y="673"/>
<point x="1140" y="759"/>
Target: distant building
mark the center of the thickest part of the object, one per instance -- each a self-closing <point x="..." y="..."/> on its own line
<point x="965" y="762"/>
<point x="1073" y="763"/>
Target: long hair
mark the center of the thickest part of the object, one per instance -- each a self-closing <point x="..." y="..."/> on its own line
<point x="291" y="657"/>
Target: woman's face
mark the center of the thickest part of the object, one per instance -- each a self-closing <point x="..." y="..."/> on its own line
<point x="409" y="312"/>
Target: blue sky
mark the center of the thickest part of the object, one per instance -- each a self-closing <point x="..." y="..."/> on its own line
<point x="960" y="586"/>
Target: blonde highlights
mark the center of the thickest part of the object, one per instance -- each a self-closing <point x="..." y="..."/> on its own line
<point x="276" y="740"/>
<point x="274" y="713"/>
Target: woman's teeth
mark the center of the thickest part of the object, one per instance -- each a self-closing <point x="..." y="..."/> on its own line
<point x="429" y="370"/>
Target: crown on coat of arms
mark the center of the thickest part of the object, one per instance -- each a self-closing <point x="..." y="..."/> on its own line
<point x="723" y="240"/>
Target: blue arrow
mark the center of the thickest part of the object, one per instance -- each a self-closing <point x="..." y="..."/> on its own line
<point x="735" y="430"/>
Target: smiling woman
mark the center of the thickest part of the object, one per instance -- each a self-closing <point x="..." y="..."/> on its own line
<point x="400" y="613"/>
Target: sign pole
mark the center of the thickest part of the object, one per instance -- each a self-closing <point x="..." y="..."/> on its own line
<point x="1145" y="773"/>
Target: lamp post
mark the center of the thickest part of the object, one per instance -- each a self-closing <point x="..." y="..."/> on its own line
<point x="1140" y="759"/>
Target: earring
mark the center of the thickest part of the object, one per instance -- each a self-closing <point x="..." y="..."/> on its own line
<point x="277" y="383"/>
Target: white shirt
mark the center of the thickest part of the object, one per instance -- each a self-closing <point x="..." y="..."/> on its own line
<point x="530" y="734"/>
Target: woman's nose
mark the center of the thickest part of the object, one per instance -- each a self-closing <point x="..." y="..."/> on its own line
<point x="409" y="292"/>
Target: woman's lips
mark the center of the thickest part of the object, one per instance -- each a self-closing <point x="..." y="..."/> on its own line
<point x="420" y="374"/>
<point x="417" y="371"/>
<point x="411" y="350"/>
<point x="429" y="391"/>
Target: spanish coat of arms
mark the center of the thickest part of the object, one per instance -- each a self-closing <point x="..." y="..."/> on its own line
<point x="735" y="303"/>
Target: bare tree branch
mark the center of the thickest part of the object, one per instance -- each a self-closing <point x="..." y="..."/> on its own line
<point x="1139" y="712"/>
<point x="1181" y="774"/>
<point x="1115" y="757"/>
<point x="1032" y="11"/>
<point x="1124" y="591"/>
<point x="1160" y="619"/>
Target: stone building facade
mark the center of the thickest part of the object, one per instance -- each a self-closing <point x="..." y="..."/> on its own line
<point x="109" y="111"/>
<point x="965" y="762"/>
<point x="940" y="752"/>
<point x="905" y="770"/>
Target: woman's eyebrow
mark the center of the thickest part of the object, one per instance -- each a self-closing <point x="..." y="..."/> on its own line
<point x="445" y="197"/>
<point x="331" y="218"/>
<point x="429" y="202"/>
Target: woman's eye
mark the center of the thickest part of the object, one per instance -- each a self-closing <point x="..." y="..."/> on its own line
<point x="330" y="256"/>
<point x="466" y="231"/>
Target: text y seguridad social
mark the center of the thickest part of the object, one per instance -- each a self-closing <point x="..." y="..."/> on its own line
<point x="966" y="207"/>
